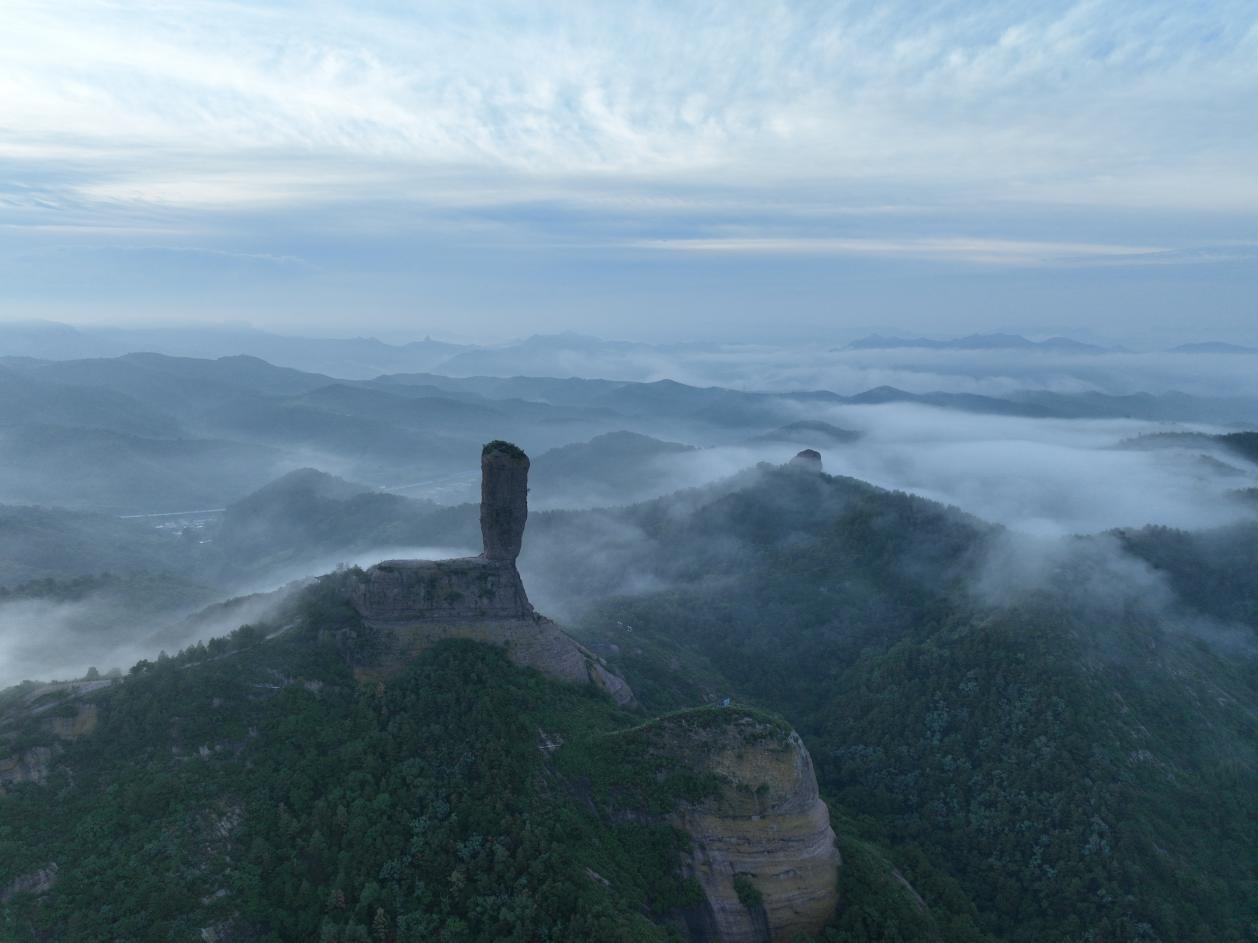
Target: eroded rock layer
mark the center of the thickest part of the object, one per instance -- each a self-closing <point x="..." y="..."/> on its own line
<point x="761" y="846"/>
<point x="504" y="510"/>
<point x="466" y="589"/>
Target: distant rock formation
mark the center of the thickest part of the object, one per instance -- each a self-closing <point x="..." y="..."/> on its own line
<point x="809" y="459"/>
<point x="419" y="602"/>
<point x="761" y="846"/>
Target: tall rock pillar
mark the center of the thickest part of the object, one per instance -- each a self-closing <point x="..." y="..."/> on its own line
<point x="504" y="508"/>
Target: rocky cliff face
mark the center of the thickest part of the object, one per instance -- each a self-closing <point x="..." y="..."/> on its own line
<point x="504" y="510"/>
<point x="809" y="459"/>
<point x="761" y="845"/>
<point x="39" y="881"/>
<point x="416" y="603"/>
<point x="472" y="589"/>
<point x="29" y="766"/>
<point x="32" y="764"/>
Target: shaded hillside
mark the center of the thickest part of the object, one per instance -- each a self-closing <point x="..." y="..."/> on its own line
<point x="615" y="468"/>
<point x="1215" y="571"/>
<point x="28" y="400"/>
<point x="1053" y="730"/>
<point x="38" y="542"/>
<point x="308" y="517"/>
<point x="810" y="433"/>
<point x="105" y="470"/>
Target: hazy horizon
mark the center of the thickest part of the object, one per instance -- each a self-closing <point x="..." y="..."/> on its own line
<point x="838" y="335"/>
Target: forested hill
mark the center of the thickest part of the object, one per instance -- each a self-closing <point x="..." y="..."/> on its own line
<point x="1058" y="739"/>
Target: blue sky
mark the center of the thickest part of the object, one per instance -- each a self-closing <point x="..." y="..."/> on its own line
<point x="738" y="170"/>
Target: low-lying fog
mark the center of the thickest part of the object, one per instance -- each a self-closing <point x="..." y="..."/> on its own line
<point x="921" y="370"/>
<point x="833" y="366"/>
<point x="1042" y="476"/>
<point x="44" y="639"/>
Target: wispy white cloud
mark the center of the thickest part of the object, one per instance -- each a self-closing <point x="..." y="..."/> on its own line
<point x="951" y="248"/>
<point x="1013" y="98"/>
<point x="965" y="131"/>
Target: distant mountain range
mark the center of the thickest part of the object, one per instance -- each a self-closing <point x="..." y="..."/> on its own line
<point x="978" y="342"/>
<point x="1213" y="347"/>
<point x="146" y="433"/>
<point x="565" y="354"/>
<point x="354" y="357"/>
<point x="1018" y="342"/>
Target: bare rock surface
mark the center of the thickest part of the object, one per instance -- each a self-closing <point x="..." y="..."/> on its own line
<point x="466" y="589"/>
<point x="765" y="831"/>
<point x="60" y="715"/>
<point x="80" y="724"/>
<point x="39" y="881"/>
<point x="29" y="766"/>
<point x="504" y="510"/>
<point x="808" y="459"/>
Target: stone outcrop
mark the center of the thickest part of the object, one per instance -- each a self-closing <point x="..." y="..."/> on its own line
<point x="415" y="603"/>
<point x="504" y="510"/>
<point x="80" y="724"/>
<point x="29" y="766"/>
<point x="808" y="459"/>
<point x="761" y="846"/>
<point x="472" y="589"/>
<point x="70" y="722"/>
<point x="39" y="881"/>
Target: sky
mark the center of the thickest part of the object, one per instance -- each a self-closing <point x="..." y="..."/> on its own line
<point x="744" y="170"/>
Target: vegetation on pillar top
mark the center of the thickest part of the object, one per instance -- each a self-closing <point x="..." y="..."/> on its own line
<point x="510" y="448"/>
